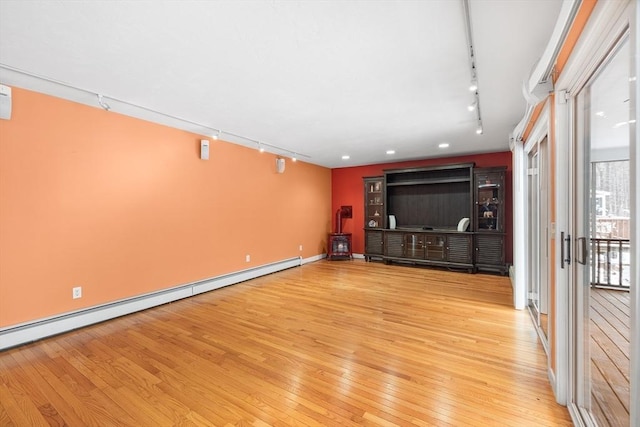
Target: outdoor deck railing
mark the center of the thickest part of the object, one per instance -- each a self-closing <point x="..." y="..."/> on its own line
<point x="610" y="263"/>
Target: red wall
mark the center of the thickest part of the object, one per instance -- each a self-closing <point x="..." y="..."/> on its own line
<point x="347" y="189"/>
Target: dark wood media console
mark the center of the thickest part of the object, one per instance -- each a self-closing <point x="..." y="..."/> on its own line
<point x="448" y="216"/>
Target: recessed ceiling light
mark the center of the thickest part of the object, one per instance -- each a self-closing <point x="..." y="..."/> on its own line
<point x="443" y="145"/>
<point x="391" y="151"/>
<point x="617" y="125"/>
<point x="345" y="157"/>
<point x="600" y="113"/>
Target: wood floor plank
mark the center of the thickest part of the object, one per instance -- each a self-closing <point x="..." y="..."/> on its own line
<point x="611" y="309"/>
<point x="610" y="362"/>
<point x="329" y="343"/>
<point x="19" y="410"/>
<point x="606" y="406"/>
<point x="618" y="330"/>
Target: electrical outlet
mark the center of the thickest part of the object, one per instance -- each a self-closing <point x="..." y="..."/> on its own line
<point x="77" y="292"/>
<point x="248" y="258"/>
<point x="300" y="248"/>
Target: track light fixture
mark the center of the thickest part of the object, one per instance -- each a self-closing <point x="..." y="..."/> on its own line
<point x="473" y="71"/>
<point x="263" y="146"/>
<point x="207" y="129"/>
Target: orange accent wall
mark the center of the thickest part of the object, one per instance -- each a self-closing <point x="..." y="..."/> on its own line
<point x="123" y="207"/>
<point x="532" y="121"/>
<point x="348" y="189"/>
<point x="579" y="22"/>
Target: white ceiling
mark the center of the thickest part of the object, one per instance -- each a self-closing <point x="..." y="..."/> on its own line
<point x="318" y="78"/>
<point x="610" y="108"/>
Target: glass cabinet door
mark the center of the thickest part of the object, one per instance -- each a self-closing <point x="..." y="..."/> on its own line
<point x="490" y="201"/>
<point x="414" y="245"/>
<point x="436" y="245"/>
<point x="374" y="212"/>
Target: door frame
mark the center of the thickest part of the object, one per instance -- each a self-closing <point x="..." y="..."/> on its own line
<point x="634" y="172"/>
<point x="540" y="131"/>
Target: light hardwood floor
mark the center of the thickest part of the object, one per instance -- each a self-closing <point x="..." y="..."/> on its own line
<point x="610" y="334"/>
<point x="328" y="343"/>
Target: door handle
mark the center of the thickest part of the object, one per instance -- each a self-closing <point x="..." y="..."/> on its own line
<point x="565" y="255"/>
<point x="584" y="251"/>
<point x="562" y="249"/>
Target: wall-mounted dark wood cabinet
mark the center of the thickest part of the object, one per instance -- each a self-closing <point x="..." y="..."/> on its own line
<point x="489" y="199"/>
<point x="489" y="215"/>
<point x="374" y="206"/>
<point x="449" y="216"/>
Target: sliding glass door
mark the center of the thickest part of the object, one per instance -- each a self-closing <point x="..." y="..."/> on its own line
<point x="601" y="312"/>
<point x="537" y="237"/>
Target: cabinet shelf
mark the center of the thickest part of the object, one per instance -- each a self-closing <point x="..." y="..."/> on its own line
<point x="428" y="181"/>
<point x="374" y="207"/>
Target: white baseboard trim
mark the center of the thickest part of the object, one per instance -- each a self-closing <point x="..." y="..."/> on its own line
<point x="358" y="256"/>
<point x="552" y="380"/>
<point x="312" y="259"/>
<point x="512" y="275"/>
<point x="33" y="331"/>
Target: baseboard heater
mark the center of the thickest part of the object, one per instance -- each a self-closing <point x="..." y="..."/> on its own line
<point x="33" y="331"/>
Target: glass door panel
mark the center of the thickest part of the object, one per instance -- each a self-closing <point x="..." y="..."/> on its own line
<point x="601" y="386"/>
<point x="374" y="213"/>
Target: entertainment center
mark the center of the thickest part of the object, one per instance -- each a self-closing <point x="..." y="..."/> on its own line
<point x="448" y="216"/>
